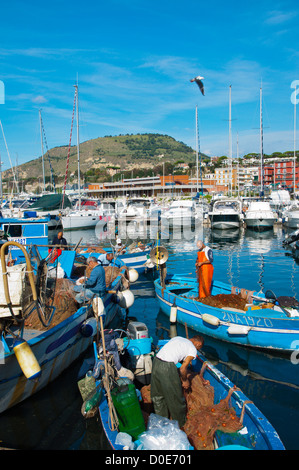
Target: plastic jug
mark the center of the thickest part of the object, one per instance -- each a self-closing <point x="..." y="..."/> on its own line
<point x="128" y="410"/>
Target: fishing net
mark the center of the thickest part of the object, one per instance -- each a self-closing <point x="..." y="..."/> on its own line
<point x="204" y="417"/>
<point x="63" y="299"/>
<point x="92" y="249"/>
<point x="224" y="300"/>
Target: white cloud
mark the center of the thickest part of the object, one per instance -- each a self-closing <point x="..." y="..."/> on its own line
<point x="39" y="99"/>
<point x="276" y="17"/>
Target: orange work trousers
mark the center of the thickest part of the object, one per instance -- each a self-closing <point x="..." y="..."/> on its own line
<point x="204" y="276"/>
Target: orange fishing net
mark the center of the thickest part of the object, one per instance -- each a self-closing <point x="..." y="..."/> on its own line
<point x="224" y="300"/>
<point x="204" y="417"/>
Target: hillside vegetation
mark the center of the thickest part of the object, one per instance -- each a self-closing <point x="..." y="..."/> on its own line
<point x="124" y="152"/>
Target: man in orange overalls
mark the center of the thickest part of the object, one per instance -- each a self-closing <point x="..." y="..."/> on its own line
<point x="204" y="269"/>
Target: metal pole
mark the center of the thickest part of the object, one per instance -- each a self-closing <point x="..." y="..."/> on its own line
<point x="294" y="175"/>
<point x="261" y="140"/>
<point x="230" y="141"/>
<point x="42" y="147"/>
<point x="78" y="144"/>
<point x="196" y="134"/>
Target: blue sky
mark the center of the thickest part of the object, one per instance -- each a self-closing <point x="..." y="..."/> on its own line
<point x="134" y="61"/>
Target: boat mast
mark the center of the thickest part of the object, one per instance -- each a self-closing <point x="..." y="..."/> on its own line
<point x="230" y="141"/>
<point x="13" y="172"/>
<point x="198" y="154"/>
<point x="294" y="169"/>
<point x="238" y="183"/>
<point x="42" y="147"/>
<point x="1" y="187"/>
<point x="261" y="142"/>
<point x="78" y="144"/>
<point x="196" y="134"/>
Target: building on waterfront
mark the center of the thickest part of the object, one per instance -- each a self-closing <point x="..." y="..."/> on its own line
<point x="156" y="186"/>
<point x="281" y="173"/>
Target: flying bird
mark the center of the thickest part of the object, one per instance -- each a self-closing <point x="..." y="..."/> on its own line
<point x="198" y="80"/>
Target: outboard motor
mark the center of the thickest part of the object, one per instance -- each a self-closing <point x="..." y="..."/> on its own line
<point x="139" y="349"/>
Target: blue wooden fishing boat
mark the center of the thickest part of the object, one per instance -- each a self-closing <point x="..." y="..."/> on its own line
<point x="32" y="356"/>
<point x="266" y="323"/>
<point x="28" y="230"/>
<point x="138" y="260"/>
<point x="257" y="433"/>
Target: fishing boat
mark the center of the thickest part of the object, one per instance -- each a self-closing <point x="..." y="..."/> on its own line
<point x="253" y="319"/>
<point x="226" y="214"/>
<point x="120" y="402"/>
<point x="41" y="334"/>
<point x="259" y="216"/>
<point x="25" y="230"/>
<point x="133" y="256"/>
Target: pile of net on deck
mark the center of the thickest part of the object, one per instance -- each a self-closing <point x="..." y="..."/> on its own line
<point x="238" y="298"/>
<point x="224" y="300"/>
<point x="64" y="301"/>
<point x="203" y="417"/>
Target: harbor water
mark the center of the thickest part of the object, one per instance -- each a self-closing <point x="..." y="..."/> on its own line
<point x="52" y="418"/>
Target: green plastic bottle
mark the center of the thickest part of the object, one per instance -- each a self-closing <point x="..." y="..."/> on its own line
<point x="93" y="401"/>
<point x="128" y="410"/>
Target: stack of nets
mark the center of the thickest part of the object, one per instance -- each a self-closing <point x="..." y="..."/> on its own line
<point x="204" y="418"/>
<point x="64" y="302"/>
<point x="224" y="300"/>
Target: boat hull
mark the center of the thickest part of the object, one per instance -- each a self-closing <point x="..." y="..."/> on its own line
<point x="82" y="221"/>
<point x="259" y="224"/>
<point x="55" y="350"/>
<point x="258" y="328"/>
<point x="131" y="260"/>
<point x="292" y="220"/>
<point x="136" y="260"/>
<point x="224" y="221"/>
<point x="257" y="433"/>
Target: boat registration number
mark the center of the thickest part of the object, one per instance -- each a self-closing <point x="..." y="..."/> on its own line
<point x="22" y="241"/>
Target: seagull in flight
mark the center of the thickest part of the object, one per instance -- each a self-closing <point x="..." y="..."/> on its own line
<point x="198" y="80"/>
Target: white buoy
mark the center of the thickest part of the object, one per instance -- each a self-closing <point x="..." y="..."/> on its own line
<point x="207" y="318"/>
<point x="173" y="313"/>
<point x="98" y="306"/>
<point x="126" y="298"/>
<point x="238" y="330"/>
<point x="133" y="275"/>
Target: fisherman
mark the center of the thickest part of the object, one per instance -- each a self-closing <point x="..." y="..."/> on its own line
<point x="166" y="385"/>
<point x="59" y="240"/>
<point x="204" y="269"/>
<point x="95" y="284"/>
<point x="119" y="247"/>
<point x="105" y="259"/>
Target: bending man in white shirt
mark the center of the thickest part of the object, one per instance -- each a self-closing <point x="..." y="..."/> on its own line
<point x="166" y="386"/>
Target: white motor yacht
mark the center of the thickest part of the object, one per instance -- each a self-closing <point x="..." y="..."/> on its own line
<point x="291" y="216"/>
<point x="260" y="216"/>
<point x="226" y="214"/>
<point x="180" y="212"/>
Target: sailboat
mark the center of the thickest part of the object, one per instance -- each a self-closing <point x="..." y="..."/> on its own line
<point x="88" y="218"/>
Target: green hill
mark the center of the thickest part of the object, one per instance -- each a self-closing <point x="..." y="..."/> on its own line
<point x="124" y="152"/>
